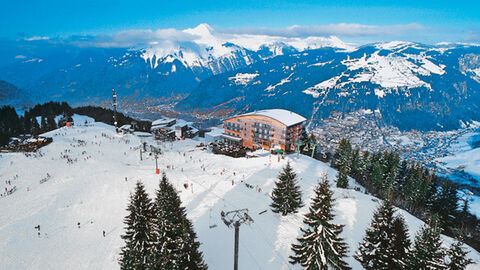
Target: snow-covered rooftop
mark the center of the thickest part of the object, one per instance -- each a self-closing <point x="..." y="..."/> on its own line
<point x="215" y="132"/>
<point x="162" y="121"/>
<point x="285" y="117"/>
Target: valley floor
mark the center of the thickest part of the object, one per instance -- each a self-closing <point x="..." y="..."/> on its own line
<point x="92" y="171"/>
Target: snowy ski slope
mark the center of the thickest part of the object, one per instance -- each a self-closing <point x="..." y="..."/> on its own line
<point x="91" y="189"/>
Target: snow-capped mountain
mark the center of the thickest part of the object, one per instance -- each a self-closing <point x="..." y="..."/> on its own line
<point x="165" y="66"/>
<point x="407" y="82"/>
<point x="220" y="52"/>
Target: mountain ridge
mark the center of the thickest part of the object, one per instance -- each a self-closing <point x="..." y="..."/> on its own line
<point x="312" y="75"/>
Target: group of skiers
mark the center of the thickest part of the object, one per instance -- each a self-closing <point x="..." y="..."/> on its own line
<point x="45" y="179"/>
<point x="9" y="188"/>
<point x="78" y="225"/>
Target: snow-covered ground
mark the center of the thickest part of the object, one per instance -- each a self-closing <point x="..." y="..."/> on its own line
<point x="464" y="155"/>
<point x="466" y="158"/>
<point x="90" y="186"/>
<point x="243" y="78"/>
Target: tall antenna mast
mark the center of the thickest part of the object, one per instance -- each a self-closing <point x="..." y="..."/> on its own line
<point x="236" y="217"/>
<point x="115" y="123"/>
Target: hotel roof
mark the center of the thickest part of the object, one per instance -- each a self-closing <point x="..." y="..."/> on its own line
<point x="285" y="117"/>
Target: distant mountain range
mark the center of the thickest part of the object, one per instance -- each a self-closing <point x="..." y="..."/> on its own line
<point x="414" y="86"/>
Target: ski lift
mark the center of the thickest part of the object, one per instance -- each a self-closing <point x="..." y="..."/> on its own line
<point x="210" y="225"/>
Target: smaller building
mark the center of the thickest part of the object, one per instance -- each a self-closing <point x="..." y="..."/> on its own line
<point x="126" y="129"/>
<point x="214" y="135"/>
<point x="171" y="129"/>
<point x="265" y="129"/>
<point x="163" y="123"/>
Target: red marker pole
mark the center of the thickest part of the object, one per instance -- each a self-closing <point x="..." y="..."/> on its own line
<point x="157" y="171"/>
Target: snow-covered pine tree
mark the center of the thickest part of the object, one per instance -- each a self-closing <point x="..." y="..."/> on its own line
<point x="356" y="163"/>
<point x="343" y="154"/>
<point x="402" y="176"/>
<point x="376" y="251"/>
<point x="376" y="177"/>
<point x="165" y="231"/>
<point x="192" y="258"/>
<point x="343" y="162"/>
<point x="342" y="178"/>
<point x="137" y="252"/>
<point x="286" y="195"/>
<point x="321" y="246"/>
<point x="390" y="170"/>
<point x="364" y="167"/>
<point x="427" y="251"/>
<point x="401" y="242"/>
<point x="458" y="256"/>
<point x="447" y="204"/>
<point x="175" y="244"/>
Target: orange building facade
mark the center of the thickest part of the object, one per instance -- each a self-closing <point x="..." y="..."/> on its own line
<point x="266" y="129"/>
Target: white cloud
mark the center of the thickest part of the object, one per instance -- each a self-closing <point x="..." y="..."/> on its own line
<point x="341" y="29"/>
<point x="36" y="38"/>
<point x="20" y="56"/>
<point x="356" y="33"/>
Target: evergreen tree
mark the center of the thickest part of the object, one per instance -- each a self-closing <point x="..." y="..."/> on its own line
<point x="376" y="251"/>
<point x="175" y="245"/>
<point x="376" y="177"/>
<point x="343" y="156"/>
<point x="35" y="127"/>
<point x="427" y="251"/>
<point x="27" y="124"/>
<point x="320" y="246"/>
<point x="401" y="176"/>
<point x="458" y="257"/>
<point x="286" y="195"/>
<point x="447" y="204"/>
<point x="51" y="123"/>
<point x="364" y="167"/>
<point x="137" y="252"/>
<point x="401" y="242"/>
<point x="356" y="164"/>
<point x="44" y="127"/>
<point x="342" y="178"/>
<point x="390" y="170"/>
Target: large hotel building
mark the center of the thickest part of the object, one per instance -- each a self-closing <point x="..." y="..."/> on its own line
<point x="267" y="129"/>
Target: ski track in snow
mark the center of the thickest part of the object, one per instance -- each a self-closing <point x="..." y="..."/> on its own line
<point x="94" y="192"/>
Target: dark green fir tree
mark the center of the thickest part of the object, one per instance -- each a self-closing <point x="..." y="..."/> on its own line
<point x="175" y="245"/>
<point x="137" y="252"/>
<point x="286" y="195"/>
<point x="376" y="251"/>
<point x="321" y="246"/>
<point x="401" y="243"/>
<point x="458" y="256"/>
<point x="428" y="252"/>
<point x="342" y="161"/>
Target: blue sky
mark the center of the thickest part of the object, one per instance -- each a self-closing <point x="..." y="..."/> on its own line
<point x="423" y="21"/>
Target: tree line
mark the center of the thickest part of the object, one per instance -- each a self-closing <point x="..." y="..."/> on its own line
<point x="41" y="118"/>
<point x="386" y="244"/>
<point x="409" y="186"/>
<point x="36" y="120"/>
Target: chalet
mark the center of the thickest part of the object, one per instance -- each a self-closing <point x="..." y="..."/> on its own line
<point x="266" y="129"/>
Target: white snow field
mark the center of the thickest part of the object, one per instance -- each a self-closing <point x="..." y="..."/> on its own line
<point x="467" y="158"/>
<point x="91" y="189"/>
